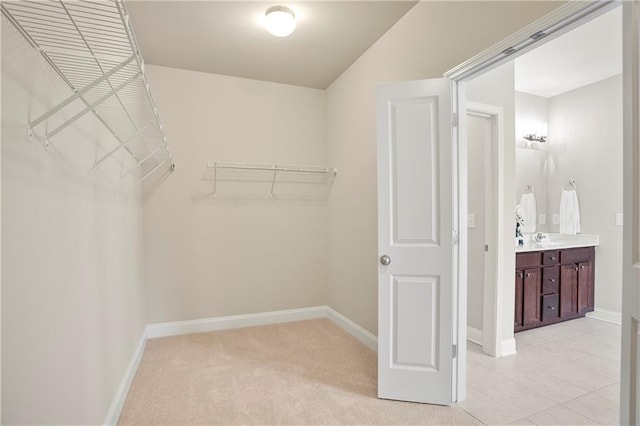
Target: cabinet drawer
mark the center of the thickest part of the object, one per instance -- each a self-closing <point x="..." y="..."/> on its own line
<point x="550" y="258"/>
<point x="577" y="255"/>
<point x="550" y="279"/>
<point x="550" y="309"/>
<point x="527" y="260"/>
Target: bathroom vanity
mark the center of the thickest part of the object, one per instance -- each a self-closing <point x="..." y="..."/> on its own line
<point x="554" y="281"/>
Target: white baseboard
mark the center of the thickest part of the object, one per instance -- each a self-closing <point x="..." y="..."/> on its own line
<point x="352" y="328"/>
<point x="233" y="321"/>
<point x="474" y="335"/>
<point x="606" y="315"/>
<point x="121" y="393"/>
<point x="508" y="347"/>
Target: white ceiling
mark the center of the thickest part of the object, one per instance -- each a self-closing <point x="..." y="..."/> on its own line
<point x="227" y="37"/>
<point x="589" y="53"/>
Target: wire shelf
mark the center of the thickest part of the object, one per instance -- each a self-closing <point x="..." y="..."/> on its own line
<point x="270" y="175"/>
<point x="92" y="47"/>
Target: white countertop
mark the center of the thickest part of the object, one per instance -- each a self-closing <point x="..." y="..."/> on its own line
<point x="553" y="241"/>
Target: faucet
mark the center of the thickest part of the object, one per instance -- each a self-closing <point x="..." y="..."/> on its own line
<point x="539" y="237"/>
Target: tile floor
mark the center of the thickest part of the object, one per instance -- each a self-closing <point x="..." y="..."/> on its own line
<point x="564" y="374"/>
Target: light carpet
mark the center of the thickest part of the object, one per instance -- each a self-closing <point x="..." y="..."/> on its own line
<point x="302" y="373"/>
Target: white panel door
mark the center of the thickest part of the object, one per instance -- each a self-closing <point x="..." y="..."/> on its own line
<point x="415" y="234"/>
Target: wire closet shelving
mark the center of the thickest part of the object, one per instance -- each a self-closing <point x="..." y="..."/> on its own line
<point x="92" y="47"/>
<point x="268" y="174"/>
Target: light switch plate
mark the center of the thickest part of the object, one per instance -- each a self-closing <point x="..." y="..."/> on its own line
<point x="619" y="219"/>
<point x="471" y="220"/>
<point x="542" y="219"/>
<point x="556" y="219"/>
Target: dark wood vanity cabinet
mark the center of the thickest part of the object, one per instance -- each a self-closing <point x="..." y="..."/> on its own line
<point x="553" y="286"/>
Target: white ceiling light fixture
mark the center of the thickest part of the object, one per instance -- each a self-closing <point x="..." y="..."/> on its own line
<point x="280" y="21"/>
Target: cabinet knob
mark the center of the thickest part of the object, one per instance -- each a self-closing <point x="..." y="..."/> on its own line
<point x="528" y="275"/>
<point x="576" y="269"/>
<point x="581" y="266"/>
<point x="552" y="258"/>
<point x="551" y="308"/>
<point x="520" y="275"/>
<point x="553" y="280"/>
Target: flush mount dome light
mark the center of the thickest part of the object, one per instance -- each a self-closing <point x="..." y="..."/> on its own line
<point x="280" y="21"/>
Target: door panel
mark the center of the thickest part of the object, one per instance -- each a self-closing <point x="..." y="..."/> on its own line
<point x="531" y="311"/>
<point x="584" y="286"/>
<point x="415" y="329"/>
<point x="568" y="290"/>
<point x="519" y="299"/>
<point x="415" y="228"/>
<point x="414" y="170"/>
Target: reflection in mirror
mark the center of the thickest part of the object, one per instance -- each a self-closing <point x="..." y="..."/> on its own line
<point x="532" y="170"/>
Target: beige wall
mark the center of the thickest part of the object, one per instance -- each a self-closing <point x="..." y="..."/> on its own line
<point x="243" y="252"/>
<point x="72" y="293"/>
<point x="432" y="38"/>
<point x="585" y="143"/>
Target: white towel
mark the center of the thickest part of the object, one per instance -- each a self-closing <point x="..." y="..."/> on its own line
<point x="527" y="210"/>
<point x="569" y="213"/>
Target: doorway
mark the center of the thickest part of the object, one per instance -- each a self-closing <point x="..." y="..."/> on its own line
<point x="586" y="375"/>
<point x="561" y="21"/>
<point x="485" y="139"/>
<point x="584" y="137"/>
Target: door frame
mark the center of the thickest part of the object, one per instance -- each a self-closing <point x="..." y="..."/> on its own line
<point x="494" y="281"/>
<point x="630" y="362"/>
<point x="565" y="18"/>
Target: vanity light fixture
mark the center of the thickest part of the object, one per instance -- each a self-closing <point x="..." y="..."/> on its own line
<point x="280" y="21"/>
<point x="535" y="138"/>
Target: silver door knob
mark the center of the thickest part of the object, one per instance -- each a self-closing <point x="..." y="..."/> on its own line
<point x="385" y="260"/>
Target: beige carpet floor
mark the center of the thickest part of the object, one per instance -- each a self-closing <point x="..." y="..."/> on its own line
<point x="302" y="373"/>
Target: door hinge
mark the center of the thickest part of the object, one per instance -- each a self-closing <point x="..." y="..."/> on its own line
<point x="456" y="239"/>
<point x="486" y="248"/>
<point x="454" y="119"/>
<point x="454" y="351"/>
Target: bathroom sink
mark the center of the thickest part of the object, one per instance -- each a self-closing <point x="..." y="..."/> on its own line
<point x="558" y="241"/>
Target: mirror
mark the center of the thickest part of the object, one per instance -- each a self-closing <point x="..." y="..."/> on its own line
<point x="532" y="169"/>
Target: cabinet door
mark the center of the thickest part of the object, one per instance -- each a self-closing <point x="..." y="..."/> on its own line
<point x="531" y="306"/>
<point x="585" y="289"/>
<point x="517" y="322"/>
<point x="568" y="290"/>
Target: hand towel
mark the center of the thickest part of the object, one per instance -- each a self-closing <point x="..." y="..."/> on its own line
<point x="528" y="213"/>
<point x="569" y="212"/>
